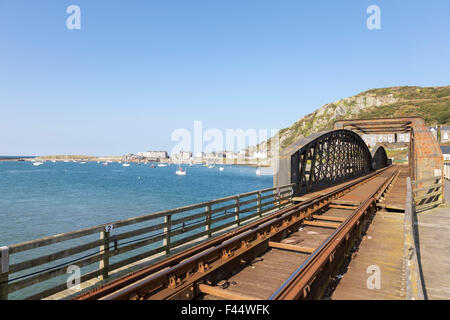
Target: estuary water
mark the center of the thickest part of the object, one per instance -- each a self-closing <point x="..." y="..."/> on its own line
<point x="52" y="198"/>
<point x="38" y="201"/>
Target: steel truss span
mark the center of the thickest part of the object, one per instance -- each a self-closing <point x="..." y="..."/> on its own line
<point x="379" y="158"/>
<point x="324" y="159"/>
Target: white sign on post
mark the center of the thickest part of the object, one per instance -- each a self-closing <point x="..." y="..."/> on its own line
<point x="109" y="228"/>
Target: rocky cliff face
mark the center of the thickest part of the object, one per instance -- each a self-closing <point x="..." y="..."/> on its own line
<point x="432" y="103"/>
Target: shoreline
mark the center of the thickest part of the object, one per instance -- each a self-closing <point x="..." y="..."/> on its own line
<point x="216" y="162"/>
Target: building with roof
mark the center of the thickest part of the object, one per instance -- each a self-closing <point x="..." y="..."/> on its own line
<point x="372" y="139"/>
<point x="154" y="154"/>
<point x="446" y="153"/>
<point x="445" y="134"/>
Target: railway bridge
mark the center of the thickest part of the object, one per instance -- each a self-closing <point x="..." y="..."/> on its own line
<point x="336" y="210"/>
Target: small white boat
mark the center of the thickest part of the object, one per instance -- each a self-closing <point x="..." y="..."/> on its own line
<point x="162" y="165"/>
<point x="221" y="168"/>
<point x="83" y="162"/>
<point x="105" y="164"/>
<point x="126" y="165"/>
<point x="37" y="163"/>
<point x="180" y="172"/>
<point x="259" y="172"/>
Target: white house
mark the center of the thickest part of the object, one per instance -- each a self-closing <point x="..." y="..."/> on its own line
<point x="446" y="153"/>
<point x="445" y="134"/>
<point x="259" y="155"/>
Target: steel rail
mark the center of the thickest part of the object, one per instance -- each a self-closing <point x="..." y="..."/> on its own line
<point x="126" y="286"/>
<point x="298" y="284"/>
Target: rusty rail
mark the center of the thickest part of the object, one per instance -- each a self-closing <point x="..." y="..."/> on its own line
<point x="181" y="276"/>
<point x="310" y="280"/>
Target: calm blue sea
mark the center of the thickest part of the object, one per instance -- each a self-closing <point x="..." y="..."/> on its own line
<point x="38" y="201"/>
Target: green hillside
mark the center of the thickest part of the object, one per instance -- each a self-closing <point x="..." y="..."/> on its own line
<point x="431" y="103"/>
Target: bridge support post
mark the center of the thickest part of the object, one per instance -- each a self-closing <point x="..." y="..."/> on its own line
<point x="236" y="211"/>
<point x="259" y="204"/>
<point x="166" y="241"/>
<point x="104" y="263"/>
<point x="208" y="219"/>
<point x="4" y="272"/>
<point x="287" y="171"/>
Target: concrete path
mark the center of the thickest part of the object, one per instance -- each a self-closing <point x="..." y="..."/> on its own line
<point x="434" y="240"/>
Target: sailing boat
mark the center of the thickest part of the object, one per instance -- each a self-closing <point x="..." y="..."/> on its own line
<point x="180" y="171"/>
<point x="258" y="171"/>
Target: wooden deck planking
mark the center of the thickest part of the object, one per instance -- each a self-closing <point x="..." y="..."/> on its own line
<point x="265" y="274"/>
<point x="395" y="198"/>
<point x="382" y="246"/>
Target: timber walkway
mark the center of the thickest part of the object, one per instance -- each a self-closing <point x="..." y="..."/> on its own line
<point x="434" y="241"/>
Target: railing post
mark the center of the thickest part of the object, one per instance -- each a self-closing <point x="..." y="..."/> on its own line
<point x="278" y="197"/>
<point x="208" y="219"/>
<point x="259" y="204"/>
<point x="104" y="263"/>
<point x="236" y="210"/>
<point x="166" y="241"/>
<point x="4" y="272"/>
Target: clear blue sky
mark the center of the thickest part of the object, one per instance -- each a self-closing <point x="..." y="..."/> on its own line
<point x="137" y="70"/>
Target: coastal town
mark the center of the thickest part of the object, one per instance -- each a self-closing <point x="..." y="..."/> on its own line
<point x="244" y="157"/>
<point x="396" y="145"/>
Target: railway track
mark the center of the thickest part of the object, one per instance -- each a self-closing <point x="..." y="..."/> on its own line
<point x="293" y="253"/>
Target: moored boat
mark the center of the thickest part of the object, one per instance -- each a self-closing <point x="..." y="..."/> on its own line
<point x="180" y="172"/>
